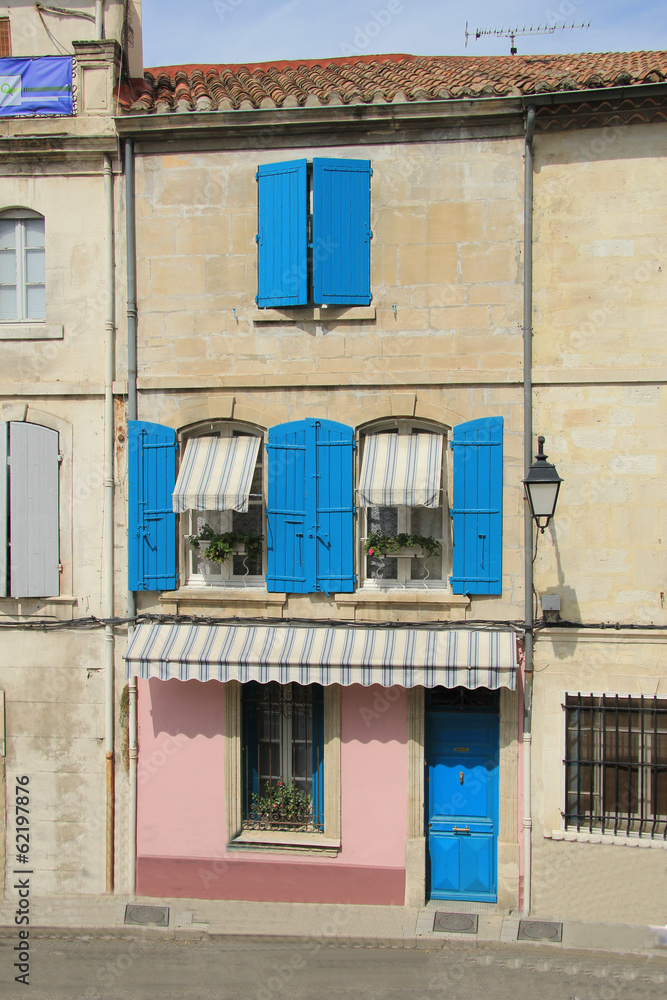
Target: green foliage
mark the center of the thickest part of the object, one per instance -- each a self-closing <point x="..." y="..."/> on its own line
<point x="385" y="545"/>
<point x="221" y="547"/>
<point x="282" y="803"/>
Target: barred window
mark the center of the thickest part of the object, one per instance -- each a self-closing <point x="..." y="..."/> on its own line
<point x="5" y="38"/>
<point x="616" y="765"/>
<point x="283" y="757"/>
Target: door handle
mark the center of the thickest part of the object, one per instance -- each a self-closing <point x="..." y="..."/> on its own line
<point x="461" y="829"/>
<point x="461" y="777"/>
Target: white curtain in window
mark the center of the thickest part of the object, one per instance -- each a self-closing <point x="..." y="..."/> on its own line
<point x="401" y="469"/>
<point x="216" y="473"/>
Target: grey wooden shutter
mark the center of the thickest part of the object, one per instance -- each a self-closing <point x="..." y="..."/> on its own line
<point x="33" y="504"/>
<point x="3" y="509"/>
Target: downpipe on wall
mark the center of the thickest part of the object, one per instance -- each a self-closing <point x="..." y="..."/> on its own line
<point x="131" y="256"/>
<point x="99" y="20"/>
<point x="108" y="517"/>
<point x="528" y="521"/>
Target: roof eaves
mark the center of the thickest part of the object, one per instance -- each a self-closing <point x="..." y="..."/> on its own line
<point x="596" y="93"/>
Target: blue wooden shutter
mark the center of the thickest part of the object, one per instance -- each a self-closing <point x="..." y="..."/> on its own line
<point x="3" y="509"/>
<point x="478" y="507"/>
<point x="341" y="232"/>
<point x="151" y="521"/>
<point x="334" y="508"/>
<point x="310" y="509"/>
<point x="318" y="756"/>
<point x="251" y="707"/>
<point x="288" y="569"/>
<point x="282" y="234"/>
<point x="34" y="514"/>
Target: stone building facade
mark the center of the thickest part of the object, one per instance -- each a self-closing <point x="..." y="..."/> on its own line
<point x="433" y="347"/>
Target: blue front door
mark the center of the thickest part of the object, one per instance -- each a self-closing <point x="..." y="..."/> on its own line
<point x="462" y="805"/>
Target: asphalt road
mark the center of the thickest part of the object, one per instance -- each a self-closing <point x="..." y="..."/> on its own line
<point x="121" y="968"/>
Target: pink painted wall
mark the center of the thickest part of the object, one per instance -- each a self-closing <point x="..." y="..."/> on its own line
<point x="374" y="775"/>
<point x="180" y="811"/>
<point x="180" y="794"/>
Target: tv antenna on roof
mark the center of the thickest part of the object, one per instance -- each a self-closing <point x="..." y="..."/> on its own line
<point x="511" y="33"/>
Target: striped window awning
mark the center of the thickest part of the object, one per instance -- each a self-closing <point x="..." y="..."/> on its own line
<point x="324" y="655"/>
<point x="401" y="469"/>
<point x="216" y="473"/>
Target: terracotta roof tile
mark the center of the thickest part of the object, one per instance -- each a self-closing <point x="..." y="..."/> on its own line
<point x="382" y="79"/>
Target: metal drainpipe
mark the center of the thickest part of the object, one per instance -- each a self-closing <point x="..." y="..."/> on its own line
<point x="131" y="255"/>
<point x="528" y="521"/>
<point x="108" y="522"/>
<point x="99" y="20"/>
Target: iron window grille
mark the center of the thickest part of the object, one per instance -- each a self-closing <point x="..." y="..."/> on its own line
<point x="616" y="765"/>
<point x="283" y="757"/>
<point x="462" y="699"/>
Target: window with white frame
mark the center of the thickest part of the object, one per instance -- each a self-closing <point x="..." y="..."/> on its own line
<point x="616" y="764"/>
<point x="401" y="497"/>
<point x="22" y="266"/>
<point x="226" y="512"/>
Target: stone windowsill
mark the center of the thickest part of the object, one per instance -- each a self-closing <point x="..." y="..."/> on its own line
<point x="583" y="837"/>
<point x="315" y="314"/>
<point x="221" y="595"/>
<point x="37" y="608"/>
<point x="286" y="840"/>
<point x="30" y="331"/>
<point x="63" y="599"/>
<point x="395" y="595"/>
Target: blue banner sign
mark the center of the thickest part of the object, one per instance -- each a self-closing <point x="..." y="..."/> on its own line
<point x="39" y="86"/>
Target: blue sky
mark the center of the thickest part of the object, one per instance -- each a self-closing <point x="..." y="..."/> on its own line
<point x="233" y="31"/>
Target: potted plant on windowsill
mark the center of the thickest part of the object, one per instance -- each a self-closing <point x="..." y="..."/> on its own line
<point x="403" y="544"/>
<point x="219" y="547"/>
<point x="282" y="806"/>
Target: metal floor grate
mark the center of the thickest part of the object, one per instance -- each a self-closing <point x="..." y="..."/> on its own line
<point x="155" y="916"/>
<point x="540" y="930"/>
<point x="457" y="923"/>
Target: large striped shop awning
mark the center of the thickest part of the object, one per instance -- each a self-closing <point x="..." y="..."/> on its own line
<point x="324" y="655"/>
<point x="401" y="469"/>
<point x="216" y="473"/>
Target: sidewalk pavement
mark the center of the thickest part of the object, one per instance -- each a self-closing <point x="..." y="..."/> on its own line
<point x="329" y="924"/>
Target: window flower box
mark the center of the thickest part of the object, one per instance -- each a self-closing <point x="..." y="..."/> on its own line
<point x="401" y="546"/>
<point x="217" y="548"/>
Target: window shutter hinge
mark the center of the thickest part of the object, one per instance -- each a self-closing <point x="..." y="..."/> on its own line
<point x="60" y="567"/>
<point x="370" y="234"/>
<point x="256" y="237"/>
<point x="60" y="458"/>
<point x="257" y="175"/>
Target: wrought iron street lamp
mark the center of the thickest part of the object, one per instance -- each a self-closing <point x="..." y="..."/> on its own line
<point x="542" y="485"/>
